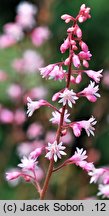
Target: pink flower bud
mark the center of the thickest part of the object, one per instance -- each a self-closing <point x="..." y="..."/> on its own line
<point x="72" y="79"/>
<point x="78" y="32"/>
<point x="65" y="45"/>
<point x="76" y="129"/>
<point x="83" y="46"/>
<point x="55" y="96"/>
<point x="85" y="63"/>
<point x="78" y="78"/>
<point x="67" y="18"/>
<point x="27" y="178"/>
<point x="67" y="61"/>
<point x="36" y="153"/>
<point x="76" y="61"/>
<point x="63" y="132"/>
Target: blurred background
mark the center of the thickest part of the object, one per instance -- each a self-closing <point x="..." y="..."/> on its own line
<point x="20" y="59"/>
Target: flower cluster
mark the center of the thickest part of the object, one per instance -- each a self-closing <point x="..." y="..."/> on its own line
<point x="28" y="169"/>
<point x="78" y="59"/>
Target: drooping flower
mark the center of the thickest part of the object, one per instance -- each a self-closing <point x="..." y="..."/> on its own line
<point x="56" y="117"/>
<point x="45" y="71"/>
<point x="95" y="75"/>
<point x="99" y="175"/>
<point x="88" y="125"/>
<point x="68" y="96"/>
<point x="79" y="156"/>
<point x="55" y="150"/>
<point x="34" y="105"/>
<point x="12" y="175"/>
<point x="90" y="92"/>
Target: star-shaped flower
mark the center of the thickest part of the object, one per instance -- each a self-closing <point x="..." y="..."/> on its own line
<point x="55" y="150"/>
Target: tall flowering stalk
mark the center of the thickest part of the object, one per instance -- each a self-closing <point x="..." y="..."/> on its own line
<point x="78" y="59"/>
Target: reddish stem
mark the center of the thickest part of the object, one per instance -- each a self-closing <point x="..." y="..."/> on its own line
<point x="58" y="134"/>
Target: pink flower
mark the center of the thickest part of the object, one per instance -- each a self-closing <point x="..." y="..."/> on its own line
<point x="6" y="116"/>
<point x="32" y="61"/>
<point x="34" y="105"/>
<point x="95" y="75"/>
<point x="28" y="164"/>
<point x="90" y="92"/>
<point x="6" y="41"/>
<point x="12" y="175"/>
<point x="36" y="153"/>
<point x="13" y="30"/>
<point x="86" y="124"/>
<point x="40" y="35"/>
<point x="45" y="71"/>
<point x="68" y="96"/>
<point x="34" y="130"/>
<point x="24" y="148"/>
<point x="67" y="139"/>
<point x="100" y="175"/>
<point x="79" y="156"/>
<point x="76" y="61"/>
<point x="29" y="63"/>
<point x="19" y="116"/>
<point x="25" y="15"/>
<point x="103" y="190"/>
<point x="25" y="21"/>
<point x="79" y="159"/>
<point x="57" y="73"/>
<point x="85" y="55"/>
<point x="14" y="91"/>
<point x="38" y="92"/>
<point x="86" y="166"/>
<point x="55" y="150"/>
<point x="84" y="13"/>
<point x="56" y="117"/>
<point x="26" y="8"/>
